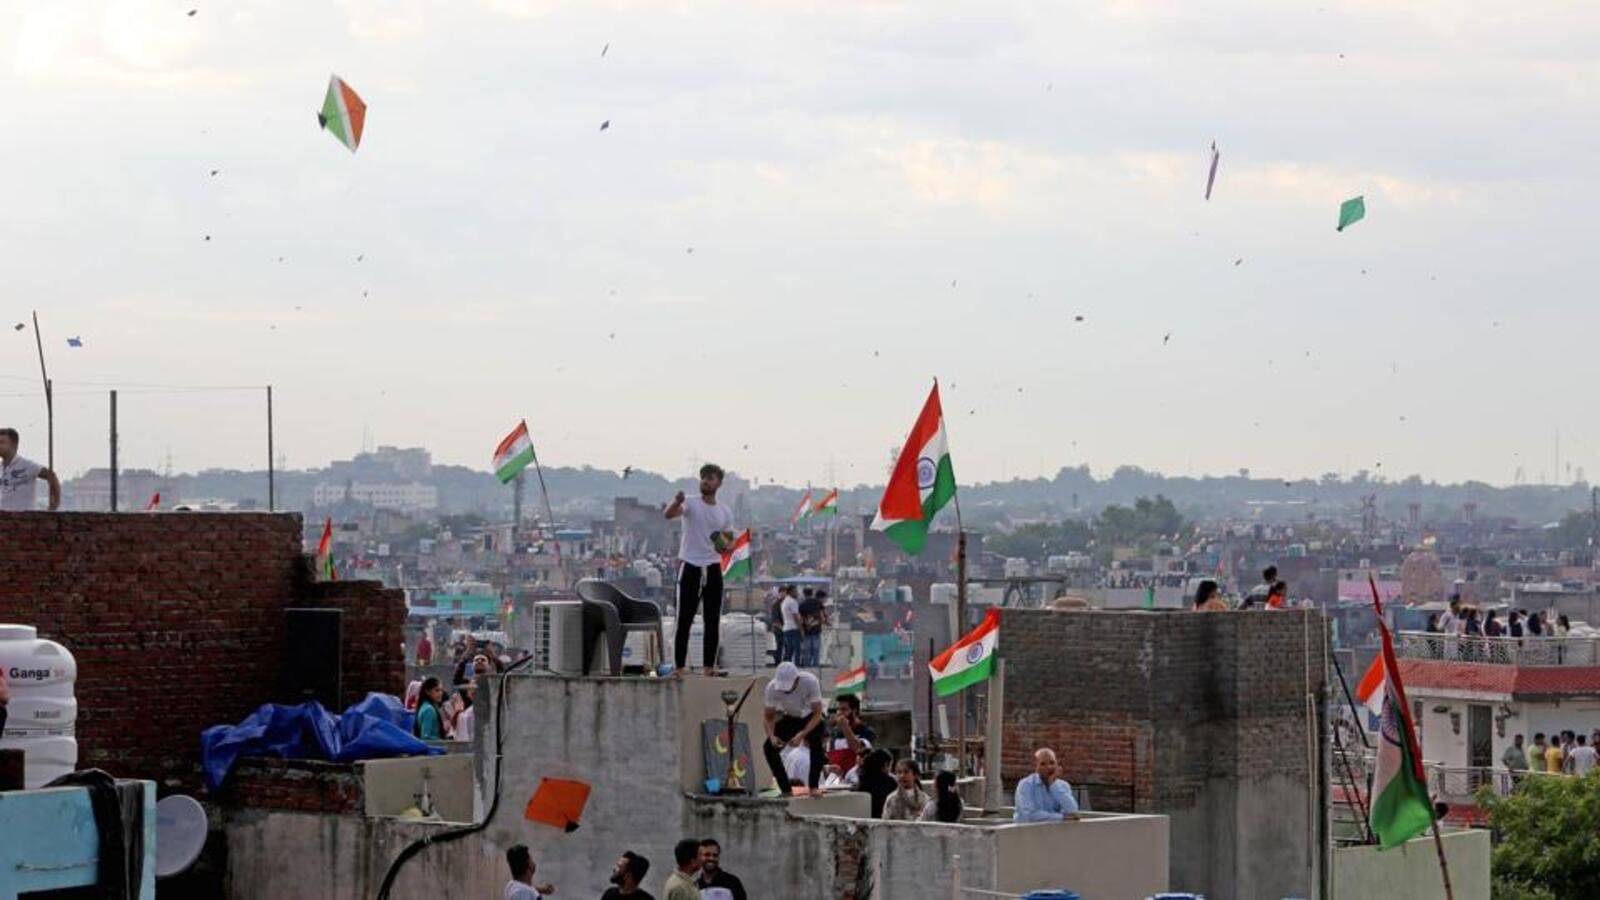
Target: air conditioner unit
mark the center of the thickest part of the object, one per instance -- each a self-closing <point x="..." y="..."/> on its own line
<point x="558" y="636"/>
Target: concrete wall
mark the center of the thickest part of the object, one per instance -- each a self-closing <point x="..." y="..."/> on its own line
<point x="1411" y="870"/>
<point x="1202" y="717"/>
<point x="391" y="785"/>
<point x="1099" y="857"/>
<point x="280" y="855"/>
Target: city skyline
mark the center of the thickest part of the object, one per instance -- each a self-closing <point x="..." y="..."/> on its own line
<point x="872" y="197"/>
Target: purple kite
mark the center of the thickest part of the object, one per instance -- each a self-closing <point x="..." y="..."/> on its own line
<point x="1212" y="177"/>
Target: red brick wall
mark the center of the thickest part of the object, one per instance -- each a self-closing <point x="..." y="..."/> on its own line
<point x="296" y="785"/>
<point x="176" y="621"/>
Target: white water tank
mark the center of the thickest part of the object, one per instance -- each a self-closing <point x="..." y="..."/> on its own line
<point x="42" y="716"/>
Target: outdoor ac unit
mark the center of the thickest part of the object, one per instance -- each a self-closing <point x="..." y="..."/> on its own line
<point x="558" y="636"/>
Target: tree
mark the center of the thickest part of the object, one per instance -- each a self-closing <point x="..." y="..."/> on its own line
<point x="1547" y="829"/>
<point x="1143" y="523"/>
<point x="1036" y="541"/>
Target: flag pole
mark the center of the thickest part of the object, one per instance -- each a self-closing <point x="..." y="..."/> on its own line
<point x="961" y="621"/>
<point x="1438" y="842"/>
<point x="49" y="396"/>
<point x="549" y="513"/>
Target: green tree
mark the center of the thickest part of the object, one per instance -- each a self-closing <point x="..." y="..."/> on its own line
<point x="1141" y="524"/>
<point x="1547" y="831"/>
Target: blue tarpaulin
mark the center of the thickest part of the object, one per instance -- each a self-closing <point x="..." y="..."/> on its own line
<point x="375" y="728"/>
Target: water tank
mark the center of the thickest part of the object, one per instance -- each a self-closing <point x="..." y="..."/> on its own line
<point x="42" y="716"/>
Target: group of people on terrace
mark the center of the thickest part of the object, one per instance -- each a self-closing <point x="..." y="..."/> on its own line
<point x="697" y="875"/>
<point x="1566" y="753"/>
<point x="1271" y="593"/>
<point x="834" y="750"/>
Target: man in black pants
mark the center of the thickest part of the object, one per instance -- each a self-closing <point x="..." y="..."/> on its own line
<point x="707" y="531"/>
<point x="793" y="718"/>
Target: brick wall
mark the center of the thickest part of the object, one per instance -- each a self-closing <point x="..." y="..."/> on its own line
<point x="297" y="785"/>
<point x="176" y="621"/>
<point x="1202" y="716"/>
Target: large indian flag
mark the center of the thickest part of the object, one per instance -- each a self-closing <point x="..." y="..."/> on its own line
<point x="922" y="482"/>
<point x="736" y="559"/>
<point x="1401" y="809"/>
<point x="851" y="682"/>
<point x="969" y="660"/>
<point x="514" y="453"/>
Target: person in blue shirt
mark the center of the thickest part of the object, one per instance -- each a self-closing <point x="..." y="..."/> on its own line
<point x="429" y="724"/>
<point x="1042" y="797"/>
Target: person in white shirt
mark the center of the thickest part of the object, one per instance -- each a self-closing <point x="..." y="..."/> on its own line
<point x="793" y="719"/>
<point x="18" y="476"/>
<point x="1581" y="758"/>
<point x="789" y="641"/>
<point x="707" y="531"/>
<point x="521" y="886"/>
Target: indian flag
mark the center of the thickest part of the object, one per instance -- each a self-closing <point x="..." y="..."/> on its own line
<point x="736" y="559"/>
<point x="851" y="682"/>
<point x="325" y="570"/>
<point x="1401" y="809"/>
<point x="802" y="509"/>
<point x="343" y="114"/>
<point x="828" y="505"/>
<point x="922" y="482"/>
<point x="514" y="453"/>
<point x="969" y="660"/>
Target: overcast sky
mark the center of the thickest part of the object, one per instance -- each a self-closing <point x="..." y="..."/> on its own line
<point x="875" y="193"/>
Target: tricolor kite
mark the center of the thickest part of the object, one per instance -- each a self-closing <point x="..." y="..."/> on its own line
<point x="343" y="113"/>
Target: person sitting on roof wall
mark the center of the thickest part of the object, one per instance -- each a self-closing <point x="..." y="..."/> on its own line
<point x="1042" y="797"/>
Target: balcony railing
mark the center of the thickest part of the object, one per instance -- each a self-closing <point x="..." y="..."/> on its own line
<point x="1504" y="651"/>
<point x="1452" y="784"/>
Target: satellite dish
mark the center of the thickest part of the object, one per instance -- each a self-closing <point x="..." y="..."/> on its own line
<point x="180" y="834"/>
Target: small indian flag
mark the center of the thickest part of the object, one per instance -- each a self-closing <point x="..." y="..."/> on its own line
<point x="969" y="660"/>
<point x="736" y="559"/>
<point x="828" y="505"/>
<point x="851" y="682"/>
<point x="325" y="570"/>
<point x="802" y="510"/>
<point x="514" y="453"/>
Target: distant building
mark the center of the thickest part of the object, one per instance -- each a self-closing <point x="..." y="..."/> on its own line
<point x="91" y="492"/>
<point x="403" y="497"/>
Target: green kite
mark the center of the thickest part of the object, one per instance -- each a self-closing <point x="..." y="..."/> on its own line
<point x="1351" y="211"/>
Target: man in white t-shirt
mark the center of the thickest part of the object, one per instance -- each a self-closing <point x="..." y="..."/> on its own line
<point x="521" y="886"/>
<point x="707" y="531"/>
<point x="1581" y="758"/>
<point x="793" y="719"/>
<point x="789" y="640"/>
<point x="18" y="475"/>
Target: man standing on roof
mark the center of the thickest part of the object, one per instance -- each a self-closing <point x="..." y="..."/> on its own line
<point x="707" y="531"/>
<point x="18" y="475"/>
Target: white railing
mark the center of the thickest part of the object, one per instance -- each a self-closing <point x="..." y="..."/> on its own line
<point x="1505" y="651"/>
<point x="1452" y="784"/>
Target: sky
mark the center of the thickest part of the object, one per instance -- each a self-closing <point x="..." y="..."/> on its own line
<point x="800" y="215"/>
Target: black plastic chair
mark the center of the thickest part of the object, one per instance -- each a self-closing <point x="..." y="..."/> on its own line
<point x="609" y="612"/>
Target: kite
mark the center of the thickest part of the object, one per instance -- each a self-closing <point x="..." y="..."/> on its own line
<point x="1351" y="211"/>
<point x="603" y="50"/>
<point x="74" y="342"/>
<point x="604" y="125"/>
<point x="557" y="802"/>
<point x="20" y="327"/>
<point x="343" y="113"/>
<point x="1212" y="177"/>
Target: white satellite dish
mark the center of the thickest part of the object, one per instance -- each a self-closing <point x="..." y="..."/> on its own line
<point x="180" y="834"/>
